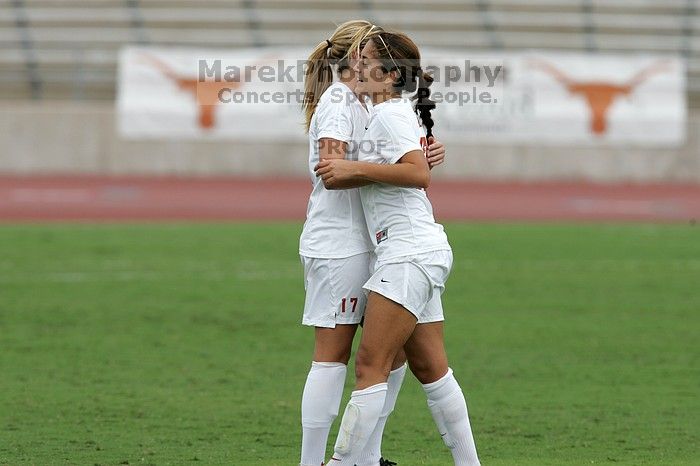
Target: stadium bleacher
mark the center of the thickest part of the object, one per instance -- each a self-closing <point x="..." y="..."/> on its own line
<point x="68" y="49"/>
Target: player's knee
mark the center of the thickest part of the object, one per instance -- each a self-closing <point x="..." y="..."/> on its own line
<point x="426" y="371"/>
<point x="342" y="355"/>
<point x="399" y="360"/>
<point x="333" y="353"/>
<point x="369" y="363"/>
<point x="419" y="371"/>
<point x="363" y="363"/>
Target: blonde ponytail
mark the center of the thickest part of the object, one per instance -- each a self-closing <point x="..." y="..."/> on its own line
<point x="329" y="53"/>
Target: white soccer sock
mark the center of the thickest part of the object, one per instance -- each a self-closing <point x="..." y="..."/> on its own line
<point x="360" y="418"/>
<point x="319" y="407"/>
<point x="373" y="450"/>
<point x="449" y="409"/>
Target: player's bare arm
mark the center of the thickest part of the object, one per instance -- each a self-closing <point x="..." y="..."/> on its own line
<point x="410" y="171"/>
<point x="329" y="148"/>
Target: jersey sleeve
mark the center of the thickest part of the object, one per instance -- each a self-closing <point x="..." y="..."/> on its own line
<point x="400" y="136"/>
<point x="334" y="118"/>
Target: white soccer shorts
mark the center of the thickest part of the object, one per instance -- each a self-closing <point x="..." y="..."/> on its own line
<point x="415" y="282"/>
<point x="334" y="293"/>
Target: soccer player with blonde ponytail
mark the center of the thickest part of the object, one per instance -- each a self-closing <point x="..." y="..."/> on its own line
<point x="335" y="246"/>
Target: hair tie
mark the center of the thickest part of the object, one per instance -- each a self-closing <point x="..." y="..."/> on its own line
<point x="329" y="43"/>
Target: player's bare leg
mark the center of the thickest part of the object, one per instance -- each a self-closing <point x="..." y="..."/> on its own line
<point x="334" y="344"/>
<point x="425" y="351"/>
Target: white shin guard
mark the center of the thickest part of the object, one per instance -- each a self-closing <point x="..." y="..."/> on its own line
<point x="359" y="420"/>
<point x="373" y="449"/>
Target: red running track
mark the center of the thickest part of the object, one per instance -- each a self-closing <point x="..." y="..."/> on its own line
<point x="94" y="198"/>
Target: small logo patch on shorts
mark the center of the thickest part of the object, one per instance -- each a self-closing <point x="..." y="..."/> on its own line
<point x="382" y="235"/>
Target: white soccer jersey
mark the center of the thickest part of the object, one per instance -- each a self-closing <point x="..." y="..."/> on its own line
<point x="335" y="224"/>
<point x="399" y="220"/>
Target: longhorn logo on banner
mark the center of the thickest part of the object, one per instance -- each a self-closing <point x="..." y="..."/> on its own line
<point x="204" y="93"/>
<point x="600" y="95"/>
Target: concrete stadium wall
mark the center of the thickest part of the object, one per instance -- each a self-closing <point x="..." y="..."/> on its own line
<point x="80" y="138"/>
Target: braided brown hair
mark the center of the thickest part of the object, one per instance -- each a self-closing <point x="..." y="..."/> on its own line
<point x="396" y="51"/>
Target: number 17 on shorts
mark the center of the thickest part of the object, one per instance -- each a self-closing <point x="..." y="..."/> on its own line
<point x="348" y="305"/>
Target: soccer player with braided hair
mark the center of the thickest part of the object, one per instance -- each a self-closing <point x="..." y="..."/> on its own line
<point x="414" y="257"/>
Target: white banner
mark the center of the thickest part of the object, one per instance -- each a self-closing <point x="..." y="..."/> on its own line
<point x="571" y="99"/>
<point x="526" y="98"/>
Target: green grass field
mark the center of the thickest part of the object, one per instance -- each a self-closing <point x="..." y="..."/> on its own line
<point x="181" y="344"/>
